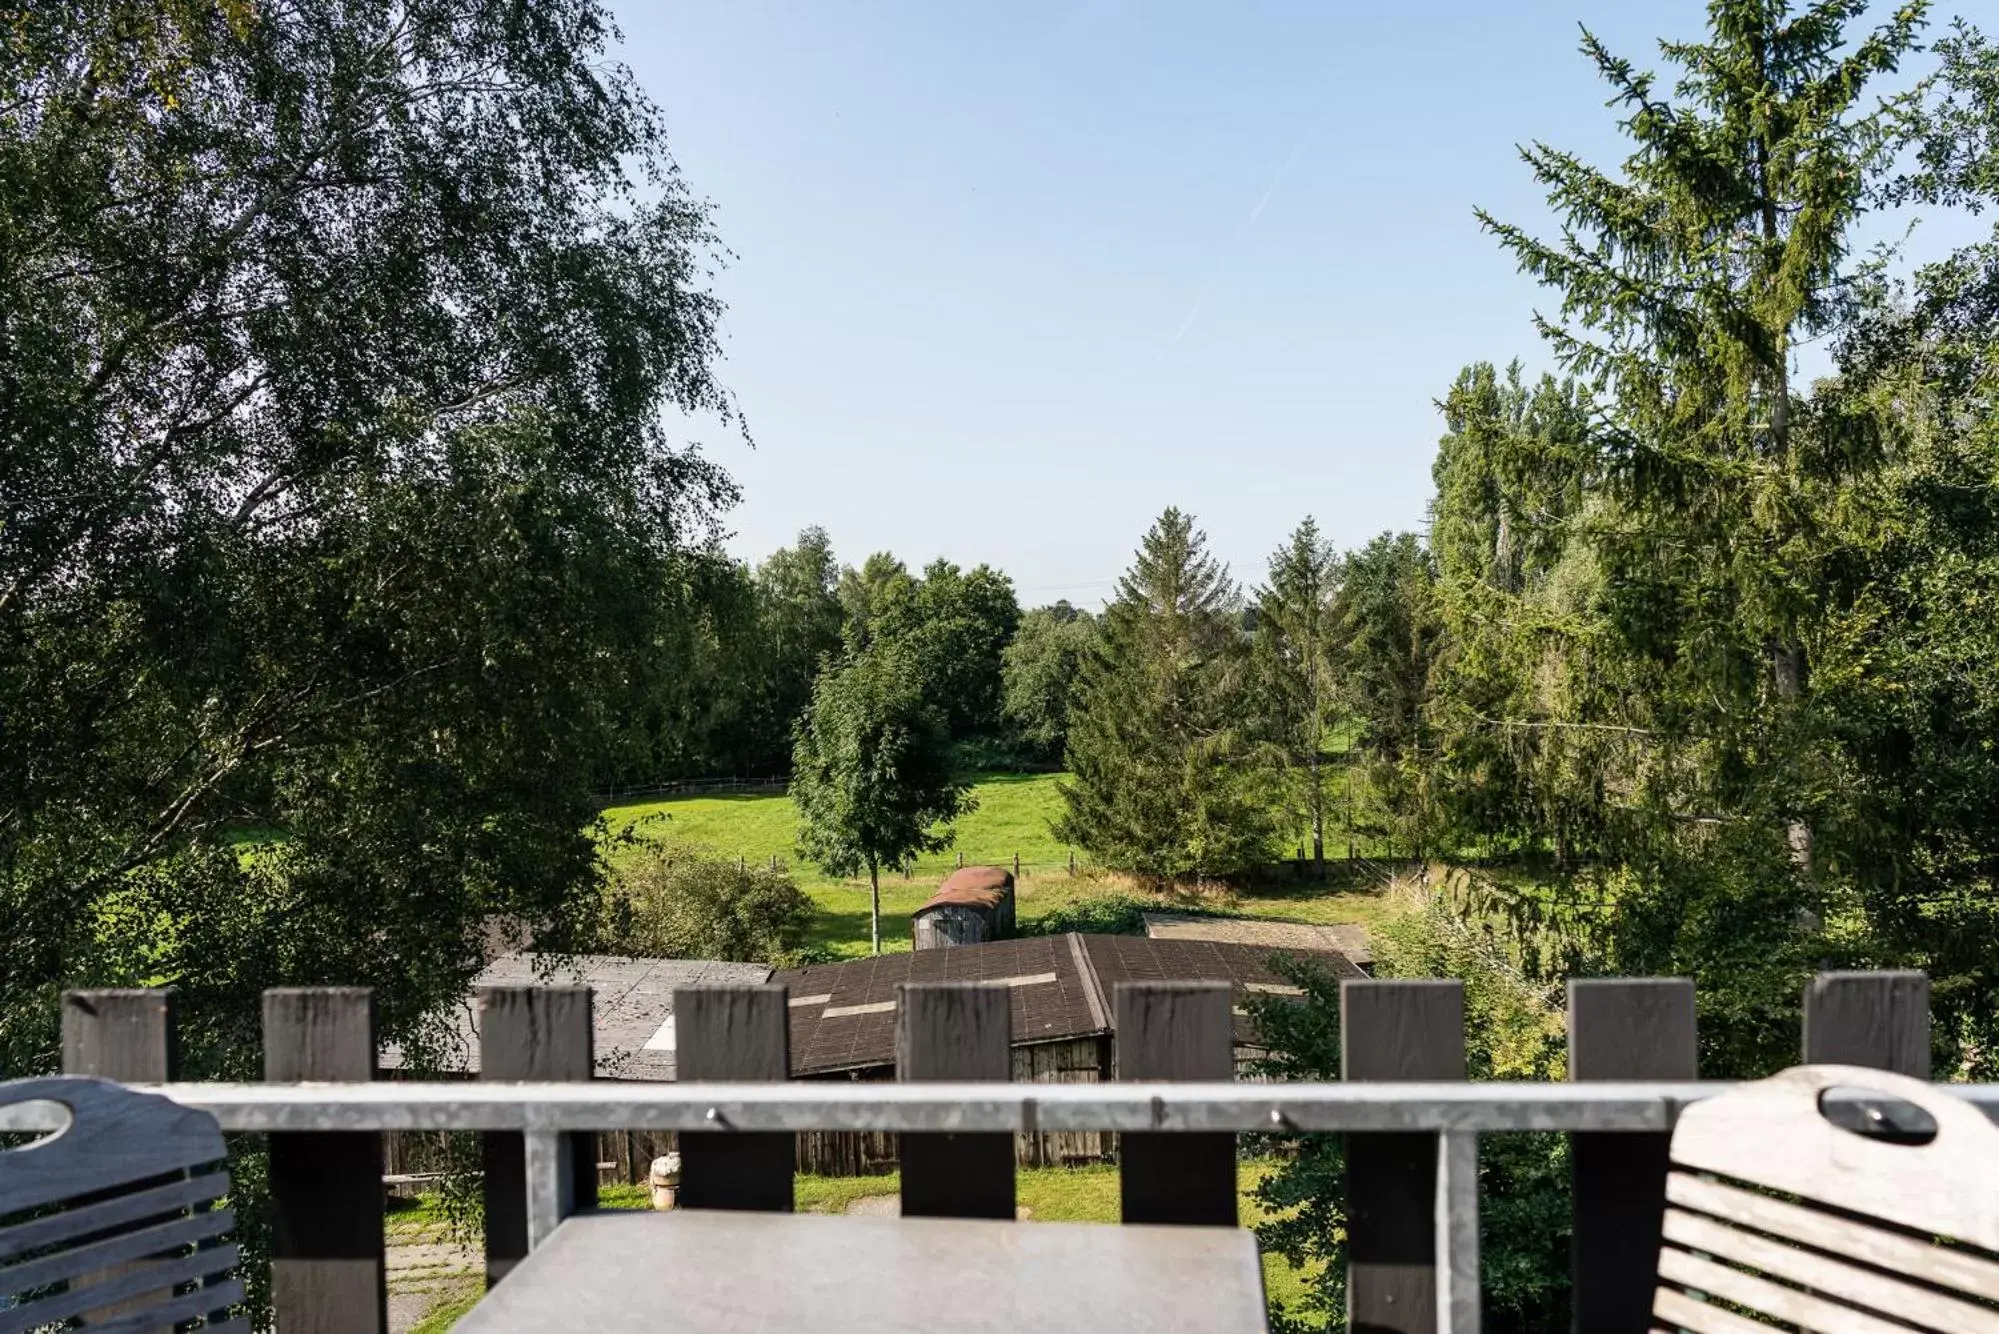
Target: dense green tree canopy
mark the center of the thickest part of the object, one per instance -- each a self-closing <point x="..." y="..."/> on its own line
<point x="952" y="624"/>
<point x="872" y="773"/>
<point x="1389" y="635"/>
<point x="862" y="591"/>
<point x="1038" y="671"/>
<point x="338" y="344"/>
<point x="1693" y="623"/>
<point x="798" y="620"/>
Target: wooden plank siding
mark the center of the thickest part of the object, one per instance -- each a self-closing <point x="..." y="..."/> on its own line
<point x="1078" y="1061"/>
<point x="845" y="1153"/>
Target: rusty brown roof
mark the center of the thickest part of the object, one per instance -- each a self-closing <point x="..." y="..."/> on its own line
<point x="843" y="1014"/>
<point x="973" y="886"/>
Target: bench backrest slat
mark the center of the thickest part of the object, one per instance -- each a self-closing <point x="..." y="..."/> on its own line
<point x="109" y="1214"/>
<point x="1780" y="1213"/>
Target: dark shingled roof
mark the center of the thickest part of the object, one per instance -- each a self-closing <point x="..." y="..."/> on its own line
<point x="843" y="1014"/>
<point x="631" y="1008"/>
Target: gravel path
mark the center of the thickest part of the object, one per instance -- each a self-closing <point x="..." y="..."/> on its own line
<point x="426" y="1269"/>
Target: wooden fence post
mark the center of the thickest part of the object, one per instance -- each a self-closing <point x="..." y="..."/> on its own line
<point x="130" y="1035"/>
<point x="734" y="1033"/>
<point x="1176" y="1031"/>
<point x="1880" y="1020"/>
<point x="955" y="1030"/>
<point x="1623" y="1029"/>
<point x="533" y="1033"/>
<point x="328" y="1271"/>
<point x="123" y="1034"/>
<point x="1406" y="1030"/>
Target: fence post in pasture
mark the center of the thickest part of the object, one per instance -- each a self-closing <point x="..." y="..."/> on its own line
<point x="1623" y="1029"/>
<point x="533" y="1033"/>
<point x="734" y="1034"/>
<point x="1880" y="1020"/>
<point x="955" y="1030"/>
<point x="1412" y="1196"/>
<point x="328" y="1271"/>
<point x="1016" y="866"/>
<point x="1176" y="1031"/>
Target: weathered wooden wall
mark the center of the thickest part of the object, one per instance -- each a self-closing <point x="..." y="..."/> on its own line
<point x="846" y="1153"/>
<point x="951" y="924"/>
<point x="1080" y="1061"/>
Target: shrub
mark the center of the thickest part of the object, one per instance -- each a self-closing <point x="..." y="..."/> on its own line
<point x="676" y="902"/>
<point x="1108" y="914"/>
<point x="1512" y="1031"/>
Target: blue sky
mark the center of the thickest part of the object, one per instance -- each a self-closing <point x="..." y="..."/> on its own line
<point x="1009" y="279"/>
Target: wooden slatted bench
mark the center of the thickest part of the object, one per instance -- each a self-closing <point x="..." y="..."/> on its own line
<point x="107" y="1220"/>
<point x="1778" y="1217"/>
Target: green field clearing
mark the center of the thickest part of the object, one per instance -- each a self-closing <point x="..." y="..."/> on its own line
<point x="1013" y="815"/>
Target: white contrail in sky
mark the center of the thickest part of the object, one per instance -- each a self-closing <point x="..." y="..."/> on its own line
<point x="1194" y="311"/>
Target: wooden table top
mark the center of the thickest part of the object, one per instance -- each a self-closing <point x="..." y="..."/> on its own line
<point x="699" y="1271"/>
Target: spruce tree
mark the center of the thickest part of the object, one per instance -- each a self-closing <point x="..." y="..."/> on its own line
<point x="1294" y="647"/>
<point x="1515" y="593"/>
<point x="1166" y="783"/>
<point x="1389" y="636"/>
<point x="1687" y="284"/>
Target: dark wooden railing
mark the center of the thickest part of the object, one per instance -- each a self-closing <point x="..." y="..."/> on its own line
<point x="1412" y="1155"/>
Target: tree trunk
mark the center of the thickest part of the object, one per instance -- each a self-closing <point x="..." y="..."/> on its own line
<point x="1787" y="656"/>
<point x="874" y="905"/>
<point x="1318" y="817"/>
<point x="1787" y="668"/>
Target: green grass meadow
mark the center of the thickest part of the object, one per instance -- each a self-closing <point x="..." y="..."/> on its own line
<point x="1012" y="817"/>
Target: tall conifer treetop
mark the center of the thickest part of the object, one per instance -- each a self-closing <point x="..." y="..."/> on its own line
<point x="1167" y="784"/>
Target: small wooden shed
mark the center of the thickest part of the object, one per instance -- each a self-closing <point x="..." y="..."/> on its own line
<point x="974" y="905"/>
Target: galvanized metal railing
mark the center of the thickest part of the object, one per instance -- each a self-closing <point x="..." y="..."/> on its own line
<point x="1413" y="1160"/>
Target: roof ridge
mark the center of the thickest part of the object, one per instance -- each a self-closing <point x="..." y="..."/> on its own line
<point x="1093" y="990"/>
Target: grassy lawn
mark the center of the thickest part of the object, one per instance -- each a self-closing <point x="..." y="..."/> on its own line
<point x="1013" y="815"/>
<point x="443" y="1316"/>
